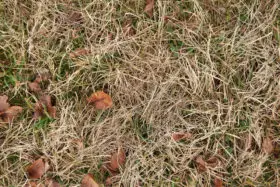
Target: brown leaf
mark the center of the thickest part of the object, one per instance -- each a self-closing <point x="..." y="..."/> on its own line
<point x="37" y="169"/>
<point x="267" y="145"/>
<point x="218" y="182"/>
<point x="43" y="76"/>
<point x="117" y="160"/>
<point x="75" y="17"/>
<point x="34" y="87"/>
<point x="201" y="164"/>
<point x="100" y="100"/>
<point x="212" y="162"/>
<point x="79" y="52"/>
<point x="31" y="184"/>
<point x="11" y="113"/>
<point x="43" y="106"/>
<point x="108" y="181"/>
<point x="51" y="183"/>
<point x="88" y="181"/>
<point x="127" y="28"/>
<point x="177" y="136"/>
<point x="4" y="105"/>
<point x="149" y="9"/>
<point x="79" y="143"/>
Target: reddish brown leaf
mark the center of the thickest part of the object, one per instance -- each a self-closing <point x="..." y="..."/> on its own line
<point x="79" y="52"/>
<point x="201" y="164"/>
<point x="218" y="182"/>
<point x="212" y="162"/>
<point x="149" y="9"/>
<point x="108" y="181"/>
<point x="11" y="113"/>
<point x="100" y="100"/>
<point x="4" y="105"/>
<point x="51" y="183"/>
<point x="43" y="106"/>
<point x="267" y="145"/>
<point x="34" y="87"/>
<point x="88" y="181"/>
<point x="178" y="136"/>
<point x="42" y="77"/>
<point x="37" y="169"/>
<point x="31" y="184"/>
<point x="117" y="160"/>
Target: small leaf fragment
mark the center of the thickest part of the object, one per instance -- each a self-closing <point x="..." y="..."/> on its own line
<point x="88" y="181"/>
<point x="37" y="169"/>
<point x="178" y="136"/>
<point x="79" y="52"/>
<point x="149" y="8"/>
<point x="4" y="105"/>
<point x="218" y="182"/>
<point x="100" y="100"/>
<point x="117" y="160"/>
<point x="51" y="183"/>
<point x="267" y="145"/>
<point x="43" y="106"/>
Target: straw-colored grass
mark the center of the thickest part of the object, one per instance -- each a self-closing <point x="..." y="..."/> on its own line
<point x="207" y="67"/>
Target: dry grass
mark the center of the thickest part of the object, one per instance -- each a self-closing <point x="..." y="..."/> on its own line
<point x="210" y="68"/>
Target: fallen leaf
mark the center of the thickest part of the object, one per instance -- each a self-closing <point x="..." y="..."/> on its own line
<point x="4" y="105"/>
<point x="108" y="181"/>
<point x="201" y="164"/>
<point x="218" y="182"/>
<point x="79" y="52"/>
<point x="43" y="76"/>
<point x="11" y="113"/>
<point x="51" y="183"/>
<point x="37" y="169"/>
<point x="149" y="9"/>
<point x="178" y="136"/>
<point x="100" y="100"/>
<point x="75" y="17"/>
<point x="79" y="143"/>
<point x="34" y="87"/>
<point x="31" y="184"/>
<point x="267" y="145"/>
<point x="117" y="160"/>
<point x="43" y="106"/>
<point x="212" y="162"/>
<point x="127" y="28"/>
<point x="88" y="181"/>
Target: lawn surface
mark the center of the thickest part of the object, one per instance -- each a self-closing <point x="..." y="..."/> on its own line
<point x="206" y="68"/>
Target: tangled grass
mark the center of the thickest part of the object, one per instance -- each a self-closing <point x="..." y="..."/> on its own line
<point x="207" y="67"/>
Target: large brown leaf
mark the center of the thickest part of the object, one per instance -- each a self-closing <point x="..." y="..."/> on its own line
<point x="149" y="8"/>
<point x="100" y="100"/>
<point x="4" y="105"/>
<point x="88" y="181"/>
<point x="37" y="169"/>
<point x="11" y="113"/>
<point x="117" y="160"/>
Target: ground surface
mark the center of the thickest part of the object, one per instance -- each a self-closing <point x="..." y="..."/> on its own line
<point x="206" y="67"/>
